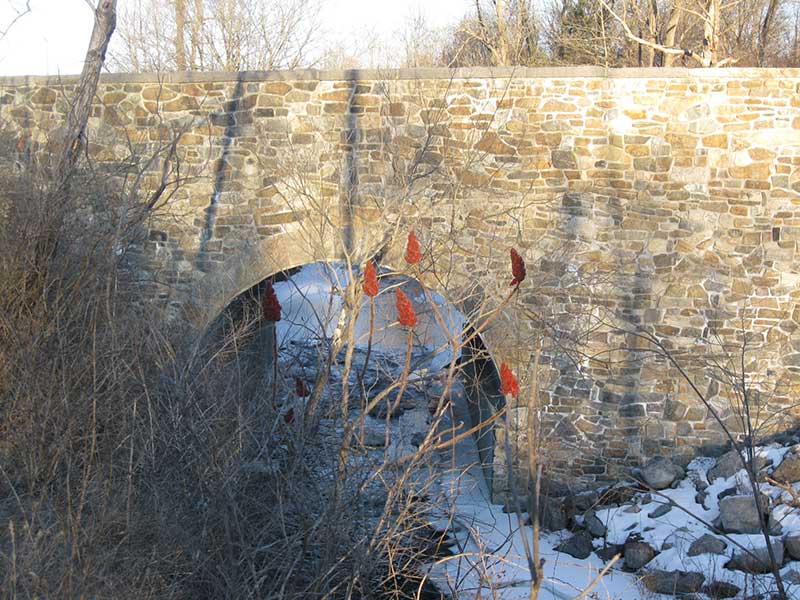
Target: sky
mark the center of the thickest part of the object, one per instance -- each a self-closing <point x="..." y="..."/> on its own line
<point x="52" y="38"/>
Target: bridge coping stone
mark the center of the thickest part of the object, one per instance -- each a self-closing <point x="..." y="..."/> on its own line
<point x="584" y="72"/>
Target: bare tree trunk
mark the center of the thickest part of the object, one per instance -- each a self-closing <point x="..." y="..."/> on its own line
<point x="669" y="36"/>
<point x="105" y="20"/>
<point x="710" y="34"/>
<point x="197" y="61"/>
<point x="528" y="31"/>
<point x="180" y="27"/>
<point x="652" y="30"/>
<point x="763" y="33"/>
<point x="502" y="35"/>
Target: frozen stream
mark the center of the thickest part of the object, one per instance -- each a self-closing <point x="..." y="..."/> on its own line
<point x="310" y="303"/>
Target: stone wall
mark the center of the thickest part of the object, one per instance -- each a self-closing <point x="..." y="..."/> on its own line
<point x="663" y="200"/>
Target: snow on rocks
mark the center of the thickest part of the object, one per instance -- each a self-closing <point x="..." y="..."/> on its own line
<point x="674" y="541"/>
<point x="698" y="531"/>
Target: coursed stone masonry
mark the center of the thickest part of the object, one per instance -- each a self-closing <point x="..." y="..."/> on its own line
<point x="664" y="199"/>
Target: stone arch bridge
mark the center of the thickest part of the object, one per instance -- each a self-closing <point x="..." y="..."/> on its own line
<point x="663" y="200"/>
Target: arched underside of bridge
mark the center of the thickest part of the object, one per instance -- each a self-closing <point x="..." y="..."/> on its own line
<point x="482" y="353"/>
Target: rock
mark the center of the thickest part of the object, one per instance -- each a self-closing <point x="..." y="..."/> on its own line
<point x="789" y="470"/>
<point x="552" y="516"/>
<point x="721" y="589"/>
<point x="738" y="514"/>
<point x="660" y="511"/>
<point x="578" y="546"/>
<point x="700" y="498"/>
<point x="584" y="501"/>
<point x="673" y="582"/>
<point x="398" y="450"/>
<point x="374" y="432"/>
<point x="660" y="473"/>
<point x="730" y="463"/>
<point x="637" y="554"/>
<point x="380" y="410"/>
<point x="415" y="421"/>
<point x="417" y="439"/>
<point x="792" y="543"/>
<point x="510" y="507"/>
<point x="707" y="544"/>
<point x="594" y="525"/>
<point x="609" y="551"/>
<point x="757" y="561"/>
<point x="792" y="577"/>
<point x="774" y="525"/>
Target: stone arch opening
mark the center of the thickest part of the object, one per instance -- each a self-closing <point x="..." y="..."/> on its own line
<point x="301" y="333"/>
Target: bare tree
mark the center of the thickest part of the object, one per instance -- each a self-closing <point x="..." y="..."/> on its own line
<point x="499" y="32"/>
<point x="105" y="20"/>
<point x="223" y="35"/>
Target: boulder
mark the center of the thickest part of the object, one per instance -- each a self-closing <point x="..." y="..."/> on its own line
<point x="789" y="469"/>
<point x="417" y="439"/>
<point x="674" y="582"/>
<point x="414" y="422"/>
<point x="738" y="514"/>
<point x="660" y="473"/>
<point x="721" y="589"/>
<point x="757" y="560"/>
<point x="637" y="554"/>
<point x="552" y="516"/>
<point x="594" y="525"/>
<point x="609" y="551"/>
<point x="792" y="577"/>
<point x="707" y="544"/>
<point x="515" y="506"/>
<point x="730" y="463"/>
<point x="792" y="543"/>
<point x="660" y="511"/>
<point x="578" y="546"/>
<point x="374" y="432"/>
<point x="774" y="524"/>
<point x="584" y="500"/>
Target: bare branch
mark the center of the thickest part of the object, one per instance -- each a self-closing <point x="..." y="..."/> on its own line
<point x="20" y="12"/>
